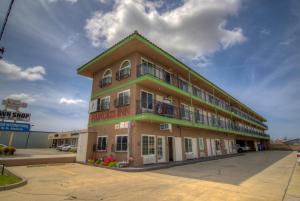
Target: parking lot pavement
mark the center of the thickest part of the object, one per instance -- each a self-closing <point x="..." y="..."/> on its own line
<point x="254" y="176"/>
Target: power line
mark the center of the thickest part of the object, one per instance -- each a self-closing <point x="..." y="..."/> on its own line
<point x="6" y="18"/>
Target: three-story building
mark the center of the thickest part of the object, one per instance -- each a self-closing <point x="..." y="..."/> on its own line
<point x="148" y="107"/>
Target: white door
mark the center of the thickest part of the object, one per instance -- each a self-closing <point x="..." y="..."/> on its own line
<point x="208" y="145"/>
<point x="161" y="149"/>
<point x="213" y="147"/>
<point x="255" y="145"/>
<point x="195" y="147"/>
<point x="230" y="146"/>
<point x="82" y="147"/>
<point x="178" y="149"/>
<point x="226" y="142"/>
<point x="148" y="149"/>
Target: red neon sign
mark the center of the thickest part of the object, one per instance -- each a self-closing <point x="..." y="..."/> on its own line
<point x="120" y="112"/>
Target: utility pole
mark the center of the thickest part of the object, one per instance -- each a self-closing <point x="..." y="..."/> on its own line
<point x="6" y="18"/>
<point x="2" y="49"/>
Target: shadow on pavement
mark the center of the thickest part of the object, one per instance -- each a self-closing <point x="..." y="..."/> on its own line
<point x="233" y="170"/>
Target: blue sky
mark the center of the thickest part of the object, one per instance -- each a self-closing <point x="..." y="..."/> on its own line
<point x="248" y="48"/>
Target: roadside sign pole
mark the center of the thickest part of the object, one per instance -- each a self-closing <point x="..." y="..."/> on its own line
<point x="11" y="137"/>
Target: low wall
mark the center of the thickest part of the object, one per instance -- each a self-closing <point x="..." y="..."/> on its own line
<point x="284" y="147"/>
<point x="36" y="161"/>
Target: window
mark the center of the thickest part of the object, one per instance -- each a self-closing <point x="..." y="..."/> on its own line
<point x="102" y="143"/>
<point x="121" y="143"/>
<point x="106" y="78"/>
<point x="185" y="112"/>
<point x="183" y="85"/>
<point x="147" y="100"/>
<point x="124" y="71"/>
<point x="148" y="145"/>
<point x="104" y="103"/>
<point x="188" y="145"/>
<point x="123" y="98"/>
<point x="201" y="144"/>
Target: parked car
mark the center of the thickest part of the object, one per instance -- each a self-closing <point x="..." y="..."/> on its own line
<point x="241" y="149"/>
<point x="61" y="146"/>
<point x="68" y="148"/>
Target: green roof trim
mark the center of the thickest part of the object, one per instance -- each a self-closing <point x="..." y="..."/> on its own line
<point x="141" y="38"/>
<point x="158" y="118"/>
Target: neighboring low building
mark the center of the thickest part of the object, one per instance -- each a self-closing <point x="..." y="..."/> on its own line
<point x="66" y="137"/>
<point x="148" y="107"/>
<point x="32" y="139"/>
<point x="292" y="142"/>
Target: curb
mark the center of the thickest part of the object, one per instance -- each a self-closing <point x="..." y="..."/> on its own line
<point x="15" y="185"/>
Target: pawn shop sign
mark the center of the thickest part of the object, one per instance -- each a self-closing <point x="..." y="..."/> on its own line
<point x="13" y="104"/>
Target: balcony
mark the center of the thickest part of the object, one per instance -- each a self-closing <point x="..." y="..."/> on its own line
<point x="171" y="111"/>
<point x="105" y="82"/>
<point x="171" y="79"/>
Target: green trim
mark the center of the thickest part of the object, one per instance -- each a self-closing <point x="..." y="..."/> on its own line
<point x="141" y="38"/>
<point x="158" y="118"/>
<point x="175" y="89"/>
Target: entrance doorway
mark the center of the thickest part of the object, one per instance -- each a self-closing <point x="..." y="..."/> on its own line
<point x="170" y="148"/>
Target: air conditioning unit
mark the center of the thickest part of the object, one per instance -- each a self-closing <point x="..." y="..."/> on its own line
<point x="165" y="127"/>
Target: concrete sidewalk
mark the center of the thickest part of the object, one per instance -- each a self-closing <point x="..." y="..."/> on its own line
<point x="261" y="176"/>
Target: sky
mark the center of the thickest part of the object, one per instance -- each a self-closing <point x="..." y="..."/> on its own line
<point x="248" y="48"/>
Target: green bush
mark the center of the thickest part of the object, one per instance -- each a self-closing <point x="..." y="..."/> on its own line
<point x="11" y="150"/>
<point x="98" y="162"/>
<point x="91" y="162"/>
<point x="113" y="164"/>
<point x="73" y="150"/>
<point x="5" y="150"/>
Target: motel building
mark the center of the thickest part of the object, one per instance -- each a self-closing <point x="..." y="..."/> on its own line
<point x="147" y="107"/>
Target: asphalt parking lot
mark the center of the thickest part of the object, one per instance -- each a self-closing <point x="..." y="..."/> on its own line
<point x="271" y="175"/>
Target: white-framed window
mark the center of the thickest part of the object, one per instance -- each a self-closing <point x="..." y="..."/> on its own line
<point x="123" y="98"/>
<point x="121" y="143"/>
<point x="101" y="143"/>
<point x="147" y="100"/>
<point x="183" y="84"/>
<point x="124" y="71"/>
<point x="201" y="143"/>
<point x="106" y="77"/>
<point x="104" y="103"/>
<point x="148" y="145"/>
<point x="184" y="111"/>
<point x="188" y="145"/>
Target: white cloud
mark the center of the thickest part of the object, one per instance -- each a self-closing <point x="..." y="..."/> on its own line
<point x="197" y="28"/>
<point x="14" y="72"/>
<point x="70" y="101"/>
<point x="23" y="97"/>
